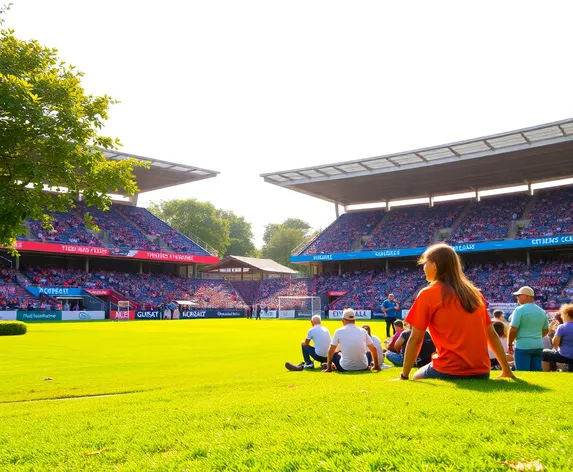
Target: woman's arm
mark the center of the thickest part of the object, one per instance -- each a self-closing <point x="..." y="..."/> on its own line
<point x="412" y="350"/>
<point x="497" y="348"/>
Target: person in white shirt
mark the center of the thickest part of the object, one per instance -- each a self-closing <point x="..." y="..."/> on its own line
<point x="377" y="345"/>
<point x="320" y="336"/>
<point x="353" y="342"/>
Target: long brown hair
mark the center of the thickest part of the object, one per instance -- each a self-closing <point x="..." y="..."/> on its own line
<point x="451" y="277"/>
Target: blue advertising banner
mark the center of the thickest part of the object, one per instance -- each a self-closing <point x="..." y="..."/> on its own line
<point x="55" y="291"/>
<point x="210" y="313"/>
<point x="417" y="251"/>
<point x="148" y="315"/>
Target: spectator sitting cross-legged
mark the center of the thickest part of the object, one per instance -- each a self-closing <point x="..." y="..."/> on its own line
<point x="455" y="313"/>
<point x="353" y="342"/>
<point x="320" y="336"/>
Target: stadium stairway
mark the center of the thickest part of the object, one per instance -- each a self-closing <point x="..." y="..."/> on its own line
<point x="461" y="216"/>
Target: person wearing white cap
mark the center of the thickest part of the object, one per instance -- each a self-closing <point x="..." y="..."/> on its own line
<point x="529" y="324"/>
<point x="353" y="343"/>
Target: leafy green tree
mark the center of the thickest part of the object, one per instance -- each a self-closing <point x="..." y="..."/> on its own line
<point x="195" y="219"/>
<point x="293" y="223"/>
<point x="49" y="138"/>
<point x="281" y="239"/>
<point x="281" y="244"/>
<point x="240" y="233"/>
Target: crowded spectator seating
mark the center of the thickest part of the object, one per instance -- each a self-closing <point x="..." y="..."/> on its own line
<point x="490" y="219"/>
<point x="121" y="227"/>
<point x="147" y="290"/>
<point x="499" y="280"/>
<point x="14" y="296"/>
<point x="270" y="290"/>
<point x="247" y="289"/>
<point x="341" y="235"/>
<point x="552" y="214"/>
<point x="155" y="227"/>
<point x="413" y="226"/>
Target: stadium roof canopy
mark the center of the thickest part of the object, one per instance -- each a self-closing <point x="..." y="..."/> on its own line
<point x="524" y="156"/>
<point x="263" y="265"/>
<point x="161" y="174"/>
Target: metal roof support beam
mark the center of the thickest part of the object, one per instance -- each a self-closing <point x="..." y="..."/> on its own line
<point x="530" y="189"/>
<point x="417" y="154"/>
<point x="488" y="145"/>
<point x="457" y="154"/>
<point x="431" y="201"/>
<point x="525" y="137"/>
<point x="336" y="210"/>
<point x="339" y="169"/>
<point x="393" y="162"/>
<point x="478" y="196"/>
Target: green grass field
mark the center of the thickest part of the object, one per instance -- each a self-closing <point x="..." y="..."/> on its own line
<point x="205" y="395"/>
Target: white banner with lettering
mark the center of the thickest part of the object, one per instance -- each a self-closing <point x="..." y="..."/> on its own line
<point x="286" y="314"/>
<point x="8" y="315"/>
<point x="82" y="315"/>
<point x="360" y="314"/>
<point x="269" y="314"/>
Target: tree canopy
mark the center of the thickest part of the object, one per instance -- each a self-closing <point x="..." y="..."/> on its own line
<point x="240" y="234"/>
<point x="49" y="128"/>
<point x="195" y="219"/>
<point x="281" y="239"/>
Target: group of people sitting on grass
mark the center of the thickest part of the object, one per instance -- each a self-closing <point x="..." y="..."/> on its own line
<point x="451" y="335"/>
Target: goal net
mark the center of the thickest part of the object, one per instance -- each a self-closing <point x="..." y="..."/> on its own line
<point x="299" y="307"/>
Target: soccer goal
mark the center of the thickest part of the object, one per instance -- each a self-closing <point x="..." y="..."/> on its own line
<point x="299" y="307"/>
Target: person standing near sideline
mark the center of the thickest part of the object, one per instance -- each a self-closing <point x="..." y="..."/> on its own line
<point x="455" y="314"/>
<point x="258" y="312"/>
<point x="529" y="325"/>
<point x="390" y="308"/>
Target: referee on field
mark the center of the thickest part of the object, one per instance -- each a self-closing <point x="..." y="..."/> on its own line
<point x="390" y="308"/>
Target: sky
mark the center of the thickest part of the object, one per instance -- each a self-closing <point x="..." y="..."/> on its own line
<point x="249" y="87"/>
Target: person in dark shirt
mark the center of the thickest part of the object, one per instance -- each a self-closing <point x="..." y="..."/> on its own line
<point x="424" y="357"/>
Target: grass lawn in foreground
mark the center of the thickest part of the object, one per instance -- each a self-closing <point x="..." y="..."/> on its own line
<point x="203" y="395"/>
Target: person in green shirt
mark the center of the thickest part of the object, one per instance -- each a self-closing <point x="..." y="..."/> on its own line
<point x="529" y="324"/>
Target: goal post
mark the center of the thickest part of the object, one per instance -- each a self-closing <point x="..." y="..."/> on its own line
<point x="123" y="307"/>
<point x="299" y="307"/>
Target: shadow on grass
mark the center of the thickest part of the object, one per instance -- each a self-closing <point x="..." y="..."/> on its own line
<point x="500" y="385"/>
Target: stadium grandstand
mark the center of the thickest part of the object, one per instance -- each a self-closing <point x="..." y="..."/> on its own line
<point x="446" y="193"/>
<point x="134" y="256"/>
<point x="505" y="202"/>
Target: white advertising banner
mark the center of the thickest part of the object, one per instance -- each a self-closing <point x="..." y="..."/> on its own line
<point x="269" y="314"/>
<point x="286" y="314"/>
<point x="360" y="314"/>
<point x="82" y="315"/>
<point x="8" y="315"/>
<point x="405" y="313"/>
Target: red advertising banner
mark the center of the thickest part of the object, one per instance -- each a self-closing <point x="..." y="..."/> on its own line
<point x="122" y="315"/>
<point x="99" y="292"/>
<point x="337" y="293"/>
<point x="107" y="252"/>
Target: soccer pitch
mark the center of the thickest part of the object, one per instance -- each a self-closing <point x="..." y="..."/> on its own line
<point x="206" y="395"/>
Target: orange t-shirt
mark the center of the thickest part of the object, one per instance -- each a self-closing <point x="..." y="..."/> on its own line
<point x="460" y="337"/>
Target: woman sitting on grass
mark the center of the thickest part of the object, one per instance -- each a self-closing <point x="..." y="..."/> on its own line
<point x="455" y="313"/>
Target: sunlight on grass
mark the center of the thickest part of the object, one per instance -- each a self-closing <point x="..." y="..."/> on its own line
<point x="214" y="395"/>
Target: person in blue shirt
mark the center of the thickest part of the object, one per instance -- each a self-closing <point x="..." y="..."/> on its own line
<point x="529" y="325"/>
<point x="390" y="308"/>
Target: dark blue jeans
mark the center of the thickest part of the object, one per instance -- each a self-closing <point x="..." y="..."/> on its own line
<point x="431" y="373"/>
<point x="336" y="360"/>
<point x="309" y="352"/>
<point x="528" y="359"/>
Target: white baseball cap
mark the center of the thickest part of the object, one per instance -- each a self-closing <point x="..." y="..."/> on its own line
<point x="525" y="290"/>
<point x="348" y="314"/>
